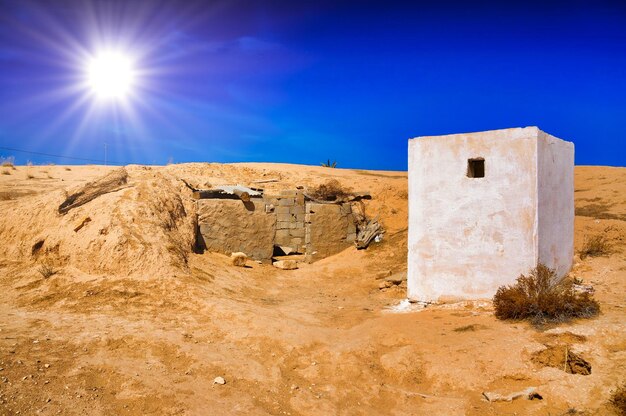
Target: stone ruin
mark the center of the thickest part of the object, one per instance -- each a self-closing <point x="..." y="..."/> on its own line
<point x="264" y="226"/>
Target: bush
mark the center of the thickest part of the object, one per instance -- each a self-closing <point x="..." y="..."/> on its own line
<point x="330" y="191"/>
<point x="7" y="162"/>
<point x="618" y="399"/>
<point x="595" y="245"/>
<point x="329" y="164"/>
<point x="541" y="298"/>
<point x="46" y="271"/>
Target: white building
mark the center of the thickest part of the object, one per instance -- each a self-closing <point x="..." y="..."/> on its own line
<point x="486" y="207"/>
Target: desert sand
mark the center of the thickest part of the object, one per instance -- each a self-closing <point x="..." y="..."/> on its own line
<point x="134" y="322"/>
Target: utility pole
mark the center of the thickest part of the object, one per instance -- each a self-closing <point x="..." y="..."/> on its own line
<point x="105" y="154"/>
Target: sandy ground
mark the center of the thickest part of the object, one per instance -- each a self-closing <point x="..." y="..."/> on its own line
<point x="135" y="323"/>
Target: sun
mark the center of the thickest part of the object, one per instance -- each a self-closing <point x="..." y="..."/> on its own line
<point x="110" y="75"/>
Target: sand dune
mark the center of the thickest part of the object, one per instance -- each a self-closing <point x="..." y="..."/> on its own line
<point x="133" y="322"/>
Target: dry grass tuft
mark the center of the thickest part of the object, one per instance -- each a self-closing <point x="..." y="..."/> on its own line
<point x="595" y="245"/>
<point x="618" y="399"/>
<point x="30" y="176"/>
<point x="332" y="190"/>
<point x="45" y="270"/>
<point x="599" y="211"/>
<point x="470" y="328"/>
<point x="541" y="298"/>
<point x="6" y="172"/>
<point x="7" y="162"/>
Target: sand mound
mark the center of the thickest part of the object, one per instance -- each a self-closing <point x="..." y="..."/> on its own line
<point x="144" y="228"/>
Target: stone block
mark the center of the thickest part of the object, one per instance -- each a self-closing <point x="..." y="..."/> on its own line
<point x="286" y="264"/>
<point x="283" y="217"/>
<point x="297" y="232"/>
<point x="286" y="202"/>
<point x="308" y="217"/>
<point x="282" y="210"/>
<point x="296" y="224"/>
<point x="228" y="226"/>
<point x="300" y="199"/>
<point x="296" y="209"/>
<point x="282" y="234"/>
<point x="346" y="209"/>
<point x="288" y="193"/>
<point x="350" y="238"/>
<point x="283" y="225"/>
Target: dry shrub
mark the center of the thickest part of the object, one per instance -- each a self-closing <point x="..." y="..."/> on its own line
<point x="6" y="172"/>
<point x="45" y="270"/>
<point x="618" y="399"/>
<point x="595" y="245"/>
<point x="599" y="211"/>
<point x="29" y="176"/>
<point x="541" y="298"/>
<point x="332" y="190"/>
<point x="7" y="162"/>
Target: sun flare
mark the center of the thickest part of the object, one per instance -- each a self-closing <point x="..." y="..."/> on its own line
<point x="110" y="75"/>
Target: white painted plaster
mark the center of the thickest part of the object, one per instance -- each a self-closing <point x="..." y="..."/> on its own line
<point x="468" y="236"/>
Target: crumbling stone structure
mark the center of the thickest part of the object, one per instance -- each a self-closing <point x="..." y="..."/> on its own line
<point x="287" y="223"/>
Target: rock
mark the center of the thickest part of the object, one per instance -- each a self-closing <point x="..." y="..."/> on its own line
<point x="528" y="393"/>
<point x="239" y="259"/>
<point x="219" y="380"/>
<point x="384" y="285"/>
<point x="286" y="264"/>
<point x="397" y="278"/>
<point x="287" y="250"/>
<point x="383" y="274"/>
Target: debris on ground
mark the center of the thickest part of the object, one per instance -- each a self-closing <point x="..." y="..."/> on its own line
<point x="286" y="264"/>
<point x="239" y="259"/>
<point x="529" y="393"/>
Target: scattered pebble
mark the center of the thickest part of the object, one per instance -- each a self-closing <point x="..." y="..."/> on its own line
<point x="219" y="380"/>
<point x="47" y="365"/>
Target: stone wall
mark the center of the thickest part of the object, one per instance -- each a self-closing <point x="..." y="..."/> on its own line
<point x="285" y="220"/>
<point x="228" y="226"/>
<point x="329" y="229"/>
<point x="289" y="210"/>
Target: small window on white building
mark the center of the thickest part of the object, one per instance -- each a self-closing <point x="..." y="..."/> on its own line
<point x="476" y="168"/>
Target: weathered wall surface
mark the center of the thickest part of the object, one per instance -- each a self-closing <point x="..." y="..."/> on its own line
<point x="289" y="210"/>
<point x="468" y="236"/>
<point x="555" y="172"/>
<point x="228" y="226"/>
<point x="330" y="228"/>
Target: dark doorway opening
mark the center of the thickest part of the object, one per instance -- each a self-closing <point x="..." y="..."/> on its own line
<point x="476" y="168"/>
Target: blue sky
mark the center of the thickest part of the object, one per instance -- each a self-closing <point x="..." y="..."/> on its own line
<point x="302" y="82"/>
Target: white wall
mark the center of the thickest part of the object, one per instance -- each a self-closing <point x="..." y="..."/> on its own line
<point x="468" y="236"/>
<point x="555" y="173"/>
